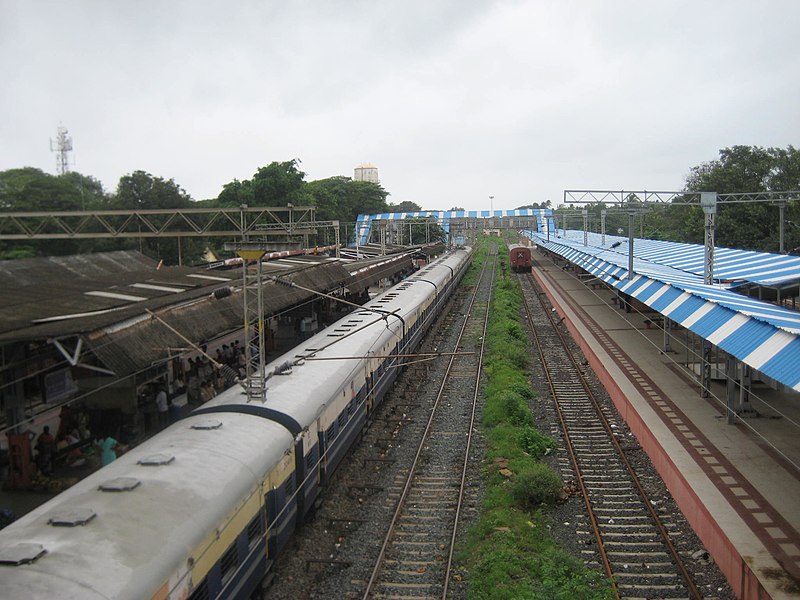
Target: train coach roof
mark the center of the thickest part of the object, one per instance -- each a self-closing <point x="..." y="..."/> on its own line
<point x="137" y="536"/>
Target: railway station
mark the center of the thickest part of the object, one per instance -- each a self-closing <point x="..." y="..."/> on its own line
<point x="707" y="377"/>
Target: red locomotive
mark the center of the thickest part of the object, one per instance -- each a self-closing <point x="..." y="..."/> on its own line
<point x="520" y="258"/>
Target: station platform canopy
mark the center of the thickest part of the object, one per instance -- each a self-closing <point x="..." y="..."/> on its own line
<point x="762" y="335"/>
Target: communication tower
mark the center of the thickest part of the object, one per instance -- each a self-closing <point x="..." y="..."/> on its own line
<point x="61" y="146"/>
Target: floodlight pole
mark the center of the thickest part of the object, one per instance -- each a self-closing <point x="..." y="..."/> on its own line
<point x="708" y="200"/>
<point x="585" y="214"/>
<point x="603" y="227"/>
<point x="631" y="215"/>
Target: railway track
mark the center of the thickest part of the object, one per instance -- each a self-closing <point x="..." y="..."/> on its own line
<point x="415" y="558"/>
<point x="626" y="536"/>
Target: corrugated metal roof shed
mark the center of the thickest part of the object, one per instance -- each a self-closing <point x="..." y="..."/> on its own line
<point x="367" y="272"/>
<point x="105" y="299"/>
<point x="762" y="335"/>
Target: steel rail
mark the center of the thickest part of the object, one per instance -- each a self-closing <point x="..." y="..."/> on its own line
<point x="568" y="442"/>
<point x="656" y="520"/>
<point x="469" y="435"/>
<point x="412" y="470"/>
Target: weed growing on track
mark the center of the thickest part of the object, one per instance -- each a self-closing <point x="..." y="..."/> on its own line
<point x="509" y="552"/>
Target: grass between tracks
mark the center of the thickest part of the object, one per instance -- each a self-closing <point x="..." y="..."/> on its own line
<point x="509" y="553"/>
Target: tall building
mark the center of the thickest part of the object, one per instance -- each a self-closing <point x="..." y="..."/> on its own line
<point x="366" y="172"/>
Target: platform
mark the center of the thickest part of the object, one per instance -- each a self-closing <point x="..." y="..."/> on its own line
<point x="738" y="485"/>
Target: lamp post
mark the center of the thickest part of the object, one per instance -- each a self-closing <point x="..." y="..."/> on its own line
<point x="491" y="212"/>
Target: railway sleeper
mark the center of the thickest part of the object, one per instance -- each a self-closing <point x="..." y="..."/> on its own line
<point x="327" y="561"/>
<point x="654" y="589"/>
<point x="652" y="576"/>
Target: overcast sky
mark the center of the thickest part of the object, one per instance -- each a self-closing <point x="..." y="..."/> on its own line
<point x="453" y="101"/>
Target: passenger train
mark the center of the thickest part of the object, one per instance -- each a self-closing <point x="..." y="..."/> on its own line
<point x="202" y="509"/>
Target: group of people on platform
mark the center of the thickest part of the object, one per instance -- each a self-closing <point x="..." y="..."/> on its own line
<point x="204" y="379"/>
<point x="73" y="443"/>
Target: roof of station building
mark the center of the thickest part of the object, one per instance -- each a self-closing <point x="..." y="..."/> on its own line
<point x="105" y="298"/>
<point x="762" y="335"/>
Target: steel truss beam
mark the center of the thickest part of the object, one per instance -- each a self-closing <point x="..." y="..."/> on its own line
<point x="676" y="198"/>
<point x="171" y="222"/>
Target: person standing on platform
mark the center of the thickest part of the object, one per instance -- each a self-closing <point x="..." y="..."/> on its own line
<point x="174" y="410"/>
<point x="161" y="406"/>
<point x="45" y="448"/>
<point x="108" y="450"/>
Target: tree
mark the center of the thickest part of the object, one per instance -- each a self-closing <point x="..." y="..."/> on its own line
<point x="235" y="194"/>
<point x="90" y="190"/>
<point x="364" y="198"/>
<point x="327" y="195"/>
<point x="425" y="229"/>
<point x="140" y="190"/>
<point x="545" y="204"/>
<point x="744" y="225"/>
<point x="279" y="184"/>
<point x="404" y="206"/>
<point x="342" y="199"/>
<point x="32" y="190"/>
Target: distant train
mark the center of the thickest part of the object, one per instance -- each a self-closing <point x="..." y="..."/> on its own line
<point x="520" y="259"/>
<point x="202" y="509"/>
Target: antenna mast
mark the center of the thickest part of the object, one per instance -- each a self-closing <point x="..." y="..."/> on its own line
<point x="61" y="147"/>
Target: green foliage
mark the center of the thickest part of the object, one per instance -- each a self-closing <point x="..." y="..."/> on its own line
<point x="514" y="408"/>
<point x="342" y="199"/>
<point x="538" y="484"/>
<point x="533" y="442"/>
<point x="33" y="190"/>
<point x="404" y="206"/>
<point x="509" y="554"/>
<point x="518" y="560"/>
<point x="143" y="190"/>
<point x="235" y="193"/>
<point x="751" y="169"/>
<point x="545" y="204"/>
<point x="279" y="184"/>
<point x="327" y="194"/>
<point x="739" y="225"/>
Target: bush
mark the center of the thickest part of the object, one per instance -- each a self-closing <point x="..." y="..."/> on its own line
<point x="514" y="408"/>
<point x="524" y="390"/>
<point x="516" y="331"/>
<point x="535" y="486"/>
<point x="533" y="442"/>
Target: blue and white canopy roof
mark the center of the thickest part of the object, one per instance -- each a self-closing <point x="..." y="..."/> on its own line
<point x="731" y="266"/>
<point x="762" y="335"/>
<point x="443" y="217"/>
